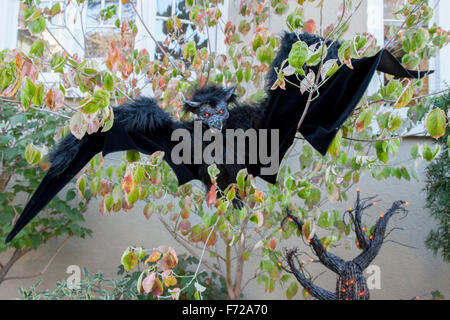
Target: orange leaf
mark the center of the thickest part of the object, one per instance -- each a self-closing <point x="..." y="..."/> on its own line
<point x="211" y="196"/>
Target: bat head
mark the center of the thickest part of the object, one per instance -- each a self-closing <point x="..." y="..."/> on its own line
<point x="210" y="105"/>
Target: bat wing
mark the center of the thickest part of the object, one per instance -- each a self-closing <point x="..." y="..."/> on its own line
<point x="71" y="155"/>
<point x="336" y="101"/>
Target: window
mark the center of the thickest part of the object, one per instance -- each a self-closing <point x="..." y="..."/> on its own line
<point x="166" y="9"/>
<point x="83" y="29"/>
<point x="392" y="26"/>
<point x="101" y="32"/>
<point x="25" y="38"/>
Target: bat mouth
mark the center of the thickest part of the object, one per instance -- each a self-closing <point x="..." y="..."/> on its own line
<point x="216" y="130"/>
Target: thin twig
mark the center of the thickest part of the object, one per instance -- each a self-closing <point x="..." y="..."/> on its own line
<point x="156" y="41"/>
<point x="44" y="270"/>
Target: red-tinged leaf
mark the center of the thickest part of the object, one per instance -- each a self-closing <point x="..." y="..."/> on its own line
<point x="185" y="213"/>
<point x="101" y="207"/>
<point x="78" y="125"/>
<point x="292" y="290"/>
<point x="127" y="184"/>
<point x="310" y="26"/>
<point x="154" y="257"/>
<point x="169" y="259"/>
<point x="148" y="210"/>
<point x="45" y="164"/>
<point x="211" y="196"/>
<point x="170" y="281"/>
<point x="157" y="289"/>
<point x="196" y="233"/>
<point x="129" y="260"/>
<point x="212" y="238"/>
<point x="259" y="196"/>
<point x="148" y="282"/>
<point x="126" y="206"/>
<point x="273" y="243"/>
<point x="184" y="227"/>
<point x="14" y="86"/>
<point x="29" y="70"/>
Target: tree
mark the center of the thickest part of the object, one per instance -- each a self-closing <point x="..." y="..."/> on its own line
<point x="438" y="191"/>
<point x="351" y="283"/>
<point x="219" y="236"/>
<point x="19" y="177"/>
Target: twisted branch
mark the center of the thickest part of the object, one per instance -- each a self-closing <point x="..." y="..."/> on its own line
<point x="329" y="260"/>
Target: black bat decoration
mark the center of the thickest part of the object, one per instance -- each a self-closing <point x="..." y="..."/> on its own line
<point x="143" y="126"/>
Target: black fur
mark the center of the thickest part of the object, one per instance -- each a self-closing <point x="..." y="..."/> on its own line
<point x="142" y="115"/>
<point x="209" y="94"/>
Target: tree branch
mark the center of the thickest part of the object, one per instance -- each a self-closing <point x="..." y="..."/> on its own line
<point x="44" y="270"/>
<point x="191" y="252"/>
<point x="156" y="42"/>
<point x="367" y="256"/>
<point x="363" y="240"/>
<point x="329" y="260"/>
<point x="314" y="290"/>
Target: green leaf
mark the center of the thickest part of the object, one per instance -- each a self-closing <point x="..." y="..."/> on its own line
<point x="108" y="82"/>
<point x="382" y="151"/>
<point x="37" y="48"/>
<point x="436" y="123"/>
<point x="81" y="185"/>
<point x="129" y="260"/>
<point x="415" y="151"/>
<point x="364" y="120"/>
<point x="191" y="48"/>
<point x="133" y="156"/>
<point x="32" y="154"/>
<point x="298" y="56"/>
<point x="335" y="146"/>
<point x="38" y="98"/>
<point x="292" y="290"/>
<point x="428" y="154"/>
<point x="37" y="26"/>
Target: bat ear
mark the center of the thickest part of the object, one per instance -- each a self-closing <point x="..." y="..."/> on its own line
<point x="192" y="104"/>
<point x="229" y="93"/>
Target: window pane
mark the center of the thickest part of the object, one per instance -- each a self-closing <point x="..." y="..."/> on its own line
<point x="391" y="29"/>
<point x="182" y="11"/>
<point x="25" y="39"/>
<point x="164" y="8"/>
<point x="390" y="7"/>
<point x="93" y="12"/>
<point x="128" y="11"/>
<point x="174" y="48"/>
<point x="98" y="41"/>
<point x="100" y="34"/>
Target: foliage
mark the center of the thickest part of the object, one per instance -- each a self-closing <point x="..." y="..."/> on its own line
<point x="92" y="287"/>
<point x="367" y="143"/>
<point x="124" y="287"/>
<point x="177" y="282"/>
<point x="438" y="192"/>
<point x="19" y="134"/>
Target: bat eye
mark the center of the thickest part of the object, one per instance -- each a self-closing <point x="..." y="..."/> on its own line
<point x="221" y="111"/>
<point x="207" y="115"/>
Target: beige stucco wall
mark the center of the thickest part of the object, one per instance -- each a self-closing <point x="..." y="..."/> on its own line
<point x="405" y="272"/>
